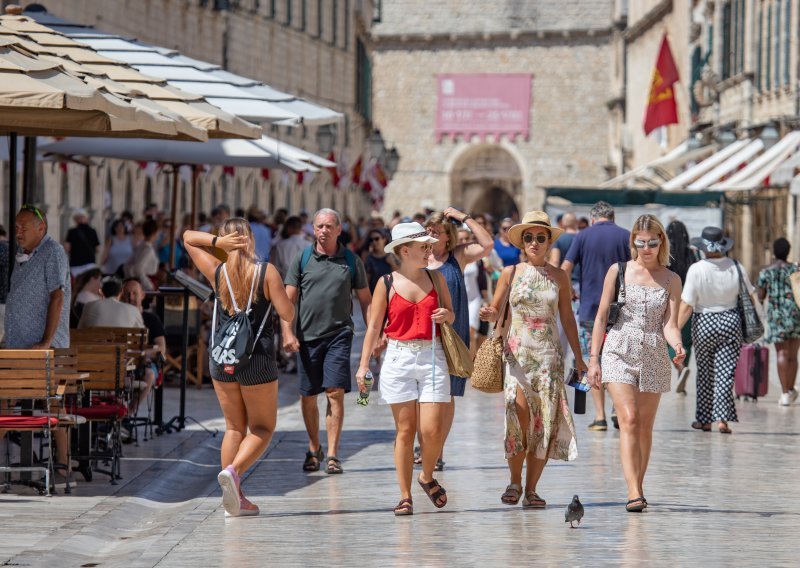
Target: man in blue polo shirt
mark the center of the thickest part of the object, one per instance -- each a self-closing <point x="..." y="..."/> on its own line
<point x="596" y="249"/>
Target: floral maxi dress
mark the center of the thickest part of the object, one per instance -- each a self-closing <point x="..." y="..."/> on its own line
<point x="535" y="364"/>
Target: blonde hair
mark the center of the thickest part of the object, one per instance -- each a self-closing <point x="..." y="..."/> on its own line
<point x="449" y="229"/>
<point x="651" y="224"/>
<point x="241" y="267"/>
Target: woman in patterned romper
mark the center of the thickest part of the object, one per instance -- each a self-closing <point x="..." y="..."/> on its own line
<point x="538" y="425"/>
<point x="635" y="367"/>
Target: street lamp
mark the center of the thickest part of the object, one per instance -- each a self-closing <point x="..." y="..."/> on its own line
<point x="726" y="138"/>
<point x="376" y="145"/>
<point x="326" y="138"/>
<point x="770" y="136"/>
<point x="392" y="160"/>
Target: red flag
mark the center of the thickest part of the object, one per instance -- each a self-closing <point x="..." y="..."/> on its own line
<point x="334" y="171"/>
<point x="228" y="171"/>
<point x="355" y="173"/>
<point x="265" y="173"/>
<point x="661" y="109"/>
<point x="300" y="178"/>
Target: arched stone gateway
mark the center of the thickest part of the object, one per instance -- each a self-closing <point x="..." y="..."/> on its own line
<point x="486" y="178"/>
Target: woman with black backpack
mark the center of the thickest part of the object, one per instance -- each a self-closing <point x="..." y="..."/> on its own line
<point x="241" y="350"/>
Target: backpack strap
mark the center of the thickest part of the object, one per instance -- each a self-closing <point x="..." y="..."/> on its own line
<point x="260" y="277"/>
<point x="305" y="257"/>
<point x="230" y="289"/>
<point x="256" y="278"/>
<point x="216" y="293"/>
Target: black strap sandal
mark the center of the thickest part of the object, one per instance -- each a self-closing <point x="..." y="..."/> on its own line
<point x="404" y="508"/>
<point x="435" y="492"/>
<point x="334" y="465"/>
<point x="636" y="505"/>
<point x="313" y="459"/>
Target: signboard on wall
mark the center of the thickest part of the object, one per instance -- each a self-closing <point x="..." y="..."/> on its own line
<point x="483" y="104"/>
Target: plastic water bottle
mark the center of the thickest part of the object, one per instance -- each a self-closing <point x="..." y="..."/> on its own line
<point x="363" y="397"/>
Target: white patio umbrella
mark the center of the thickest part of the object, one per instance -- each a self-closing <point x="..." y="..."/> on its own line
<point x="218" y="152"/>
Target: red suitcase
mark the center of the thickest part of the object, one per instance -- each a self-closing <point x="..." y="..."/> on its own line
<point x="752" y="372"/>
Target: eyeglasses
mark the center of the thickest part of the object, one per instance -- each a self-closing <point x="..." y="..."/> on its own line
<point x="541" y="238"/>
<point x="652" y="243"/>
<point x="33" y="209"/>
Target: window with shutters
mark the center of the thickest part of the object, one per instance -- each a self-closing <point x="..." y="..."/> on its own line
<point x="363" y="82"/>
<point x="760" y="49"/>
<point x="787" y="40"/>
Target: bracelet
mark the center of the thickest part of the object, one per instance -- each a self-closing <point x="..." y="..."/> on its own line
<point x="466" y="218"/>
<point x="214" y="242"/>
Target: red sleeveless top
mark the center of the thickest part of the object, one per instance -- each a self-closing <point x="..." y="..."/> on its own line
<point x="408" y="320"/>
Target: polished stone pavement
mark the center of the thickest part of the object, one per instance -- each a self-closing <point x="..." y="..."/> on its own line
<point x="715" y="500"/>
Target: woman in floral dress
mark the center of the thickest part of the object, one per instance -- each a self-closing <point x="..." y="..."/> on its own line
<point x="783" y="317"/>
<point x="539" y="424"/>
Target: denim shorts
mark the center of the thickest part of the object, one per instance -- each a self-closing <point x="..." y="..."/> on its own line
<point x="325" y="363"/>
<point x="585" y="329"/>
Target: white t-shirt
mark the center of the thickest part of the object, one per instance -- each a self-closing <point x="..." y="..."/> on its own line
<point x="712" y="285"/>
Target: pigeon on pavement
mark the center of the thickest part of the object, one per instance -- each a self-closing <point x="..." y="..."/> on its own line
<point x="574" y="512"/>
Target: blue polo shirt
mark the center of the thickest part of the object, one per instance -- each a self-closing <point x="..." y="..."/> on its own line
<point x="596" y="249"/>
<point x="32" y="282"/>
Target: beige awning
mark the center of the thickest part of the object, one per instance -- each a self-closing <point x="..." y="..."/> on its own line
<point x="194" y="120"/>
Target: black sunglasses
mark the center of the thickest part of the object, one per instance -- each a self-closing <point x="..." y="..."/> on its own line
<point x="33" y="209"/>
<point x="541" y="238"/>
<point x="375" y="239"/>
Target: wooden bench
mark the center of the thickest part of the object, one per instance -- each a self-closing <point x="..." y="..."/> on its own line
<point x="29" y="376"/>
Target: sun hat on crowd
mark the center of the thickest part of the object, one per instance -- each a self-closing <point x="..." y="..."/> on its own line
<point x="712" y="240"/>
<point x="403" y="233"/>
<point x="530" y="220"/>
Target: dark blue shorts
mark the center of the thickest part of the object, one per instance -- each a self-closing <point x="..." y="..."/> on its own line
<point x="457" y="385"/>
<point x="325" y="363"/>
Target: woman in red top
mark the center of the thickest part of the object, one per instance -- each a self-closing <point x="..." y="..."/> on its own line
<point x="415" y="368"/>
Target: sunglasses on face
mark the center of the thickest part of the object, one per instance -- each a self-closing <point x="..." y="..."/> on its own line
<point x="528" y="238"/>
<point x="33" y="209"/>
<point x="652" y="243"/>
<point x="375" y="239"/>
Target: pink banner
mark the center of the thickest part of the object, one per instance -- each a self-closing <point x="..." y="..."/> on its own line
<point x="495" y="104"/>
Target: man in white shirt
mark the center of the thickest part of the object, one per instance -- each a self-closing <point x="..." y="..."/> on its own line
<point x="292" y="243"/>
<point x="110" y="312"/>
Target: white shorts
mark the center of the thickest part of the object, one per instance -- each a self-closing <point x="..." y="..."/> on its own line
<point x="407" y="373"/>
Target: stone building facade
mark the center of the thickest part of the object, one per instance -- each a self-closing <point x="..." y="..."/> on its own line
<point x="564" y="46"/>
<point x="309" y="48"/>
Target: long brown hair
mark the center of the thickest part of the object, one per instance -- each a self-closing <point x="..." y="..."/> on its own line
<point x="241" y="267"/>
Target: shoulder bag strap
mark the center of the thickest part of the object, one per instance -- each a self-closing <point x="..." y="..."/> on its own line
<point x="388" y="280"/>
<point x="620" y="280"/>
<point x="508" y="295"/>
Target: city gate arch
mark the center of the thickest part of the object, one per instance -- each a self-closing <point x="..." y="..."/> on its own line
<point x="487" y="178"/>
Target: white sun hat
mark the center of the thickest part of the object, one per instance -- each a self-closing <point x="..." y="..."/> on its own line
<point x="405" y="233"/>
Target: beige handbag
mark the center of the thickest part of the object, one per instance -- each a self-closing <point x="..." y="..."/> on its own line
<point x="488" y="373"/>
<point x="459" y="360"/>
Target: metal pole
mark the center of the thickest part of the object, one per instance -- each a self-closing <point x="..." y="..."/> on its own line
<point x="29" y="170"/>
<point x="184" y="359"/>
<point x="12" y="201"/>
<point x="195" y="179"/>
<point x="173" y="216"/>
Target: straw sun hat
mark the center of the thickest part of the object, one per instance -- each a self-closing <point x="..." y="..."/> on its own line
<point x="530" y="220"/>
<point x="403" y="233"/>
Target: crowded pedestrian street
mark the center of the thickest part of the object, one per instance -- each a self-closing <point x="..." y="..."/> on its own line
<point x="715" y="500"/>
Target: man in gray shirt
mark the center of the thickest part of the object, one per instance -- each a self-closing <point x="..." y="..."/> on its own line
<point x="37" y="307"/>
<point x="320" y="280"/>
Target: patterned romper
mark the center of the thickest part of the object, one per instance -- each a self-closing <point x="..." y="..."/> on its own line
<point x="635" y="350"/>
<point x="535" y="364"/>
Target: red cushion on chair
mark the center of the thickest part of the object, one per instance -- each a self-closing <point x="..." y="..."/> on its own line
<point x="100" y="411"/>
<point x="27" y="422"/>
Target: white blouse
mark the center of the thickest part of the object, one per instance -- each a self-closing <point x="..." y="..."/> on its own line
<point x="712" y="285"/>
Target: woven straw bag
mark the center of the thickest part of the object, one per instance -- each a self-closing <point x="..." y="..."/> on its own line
<point x="459" y="360"/>
<point x="487" y="375"/>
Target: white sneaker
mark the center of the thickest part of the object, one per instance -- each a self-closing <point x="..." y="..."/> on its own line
<point x="793" y="395"/>
<point x="785" y="399"/>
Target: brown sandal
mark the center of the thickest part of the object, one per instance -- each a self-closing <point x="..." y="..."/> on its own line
<point x="697" y="425"/>
<point x="404" y="508"/>
<point x="723" y="428"/>
<point x="512" y="494"/>
<point x="533" y="501"/>
<point x="435" y="492"/>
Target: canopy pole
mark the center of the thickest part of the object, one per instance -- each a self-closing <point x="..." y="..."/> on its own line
<point x="12" y="201"/>
<point x="29" y="170"/>
<point x="174" y="216"/>
<point x="195" y="178"/>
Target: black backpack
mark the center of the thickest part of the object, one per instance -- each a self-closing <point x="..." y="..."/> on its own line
<point x="233" y="343"/>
